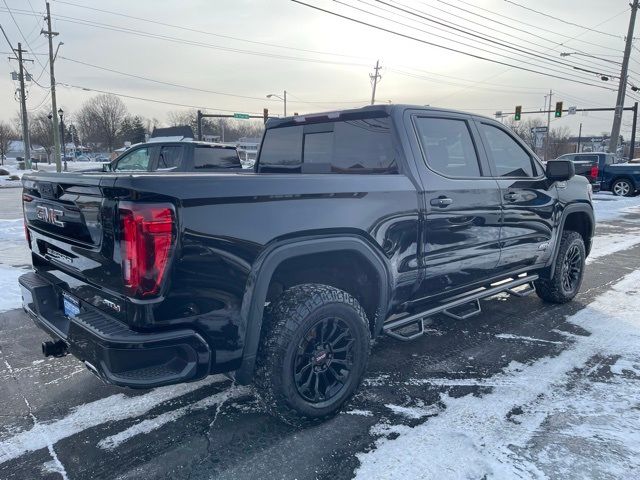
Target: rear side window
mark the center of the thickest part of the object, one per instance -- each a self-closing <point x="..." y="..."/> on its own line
<point x="170" y="157"/>
<point x="448" y="147"/>
<point x="212" y="157"/>
<point x="510" y="159"/>
<point x="353" y="146"/>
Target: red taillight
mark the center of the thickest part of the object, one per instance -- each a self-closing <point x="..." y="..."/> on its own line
<point x="26" y="199"/>
<point x="594" y="172"/>
<point x="147" y="233"/>
<point x="27" y="235"/>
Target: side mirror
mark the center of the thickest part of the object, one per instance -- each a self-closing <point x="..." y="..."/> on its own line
<point x="560" y="170"/>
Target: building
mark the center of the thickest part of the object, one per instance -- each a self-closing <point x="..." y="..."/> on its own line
<point x="208" y="135"/>
<point x="172" y="134"/>
<point x="248" y="150"/>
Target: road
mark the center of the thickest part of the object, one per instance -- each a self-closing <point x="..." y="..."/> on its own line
<point x="482" y="397"/>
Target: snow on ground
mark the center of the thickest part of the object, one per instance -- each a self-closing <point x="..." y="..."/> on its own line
<point x="11" y="297"/>
<point x="609" y="207"/>
<point x="109" y="409"/>
<point x="41" y="166"/>
<point x="606" y="244"/>
<point x="568" y="416"/>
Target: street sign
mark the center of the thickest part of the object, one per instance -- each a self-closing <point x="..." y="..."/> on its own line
<point x="499" y="114"/>
<point x="539" y="130"/>
<point x="244" y="116"/>
<point x="571" y="111"/>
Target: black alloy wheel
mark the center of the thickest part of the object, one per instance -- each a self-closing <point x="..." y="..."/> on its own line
<point x="324" y="360"/>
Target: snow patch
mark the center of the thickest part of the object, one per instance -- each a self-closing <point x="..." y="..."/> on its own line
<point x="362" y="413"/>
<point x="11" y="297"/>
<point x="604" y="245"/>
<point x="548" y="419"/>
<point x="415" y="413"/>
<point x="151" y="424"/>
<point x="510" y="336"/>
<point x="108" y="409"/>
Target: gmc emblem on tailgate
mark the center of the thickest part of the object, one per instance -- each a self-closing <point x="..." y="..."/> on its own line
<point x="49" y="215"/>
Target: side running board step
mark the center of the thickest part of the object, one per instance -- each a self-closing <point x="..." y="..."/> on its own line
<point x="394" y="327"/>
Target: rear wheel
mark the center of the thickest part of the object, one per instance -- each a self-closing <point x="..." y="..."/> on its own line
<point x="313" y="353"/>
<point x="568" y="273"/>
<point x="622" y="188"/>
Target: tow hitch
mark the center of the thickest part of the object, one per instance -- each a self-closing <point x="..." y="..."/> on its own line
<point x="54" y="349"/>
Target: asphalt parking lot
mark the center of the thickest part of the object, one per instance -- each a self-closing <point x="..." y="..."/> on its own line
<point x="525" y="390"/>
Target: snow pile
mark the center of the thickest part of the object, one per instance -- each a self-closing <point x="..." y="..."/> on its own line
<point x="11" y="297"/>
<point x="109" y="409"/>
<point x="606" y="244"/>
<point x="608" y="207"/>
<point x="569" y="416"/>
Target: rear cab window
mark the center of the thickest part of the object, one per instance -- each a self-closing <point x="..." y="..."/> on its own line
<point x="354" y="146"/>
<point x="207" y="157"/>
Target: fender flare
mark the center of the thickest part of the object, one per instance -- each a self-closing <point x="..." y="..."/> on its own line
<point x="262" y="271"/>
<point x="569" y="209"/>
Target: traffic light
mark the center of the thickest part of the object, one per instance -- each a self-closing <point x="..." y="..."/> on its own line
<point x="265" y="114"/>
<point x="518" y="112"/>
<point x="558" y="109"/>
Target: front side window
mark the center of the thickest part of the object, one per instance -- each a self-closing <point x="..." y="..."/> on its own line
<point x="170" y="157"/>
<point x="448" y="146"/>
<point x="135" y="160"/>
<point x="509" y="158"/>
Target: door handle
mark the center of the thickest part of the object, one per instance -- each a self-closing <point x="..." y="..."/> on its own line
<point x="512" y="197"/>
<point x="441" y="202"/>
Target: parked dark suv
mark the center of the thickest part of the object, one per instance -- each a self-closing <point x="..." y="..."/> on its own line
<point x="353" y="224"/>
<point x="176" y="157"/>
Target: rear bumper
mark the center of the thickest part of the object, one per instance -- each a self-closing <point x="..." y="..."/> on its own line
<point x="112" y="350"/>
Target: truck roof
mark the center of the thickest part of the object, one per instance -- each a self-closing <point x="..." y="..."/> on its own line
<point x="368" y="111"/>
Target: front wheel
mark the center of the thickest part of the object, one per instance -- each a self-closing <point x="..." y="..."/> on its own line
<point x="622" y="188"/>
<point x="313" y="353"/>
<point x="568" y="273"/>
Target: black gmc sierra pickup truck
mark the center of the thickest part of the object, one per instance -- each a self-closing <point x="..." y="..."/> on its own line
<point x="353" y="224"/>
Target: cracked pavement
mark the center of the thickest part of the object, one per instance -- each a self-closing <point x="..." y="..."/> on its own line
<point x="59" y="421"/>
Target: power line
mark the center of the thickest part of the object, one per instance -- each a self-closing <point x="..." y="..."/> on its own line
<point x="537" y="27"/>
<point x="522" y="30"/>
<point x="144" y="99"/>
<point x="172" y="39"/>
<point x="205" y="32"/>
<point x="426" y="42"/>
<point x="19" y="29"/>
<point x="472" y="33"/>
<point x="561" y="20"/>
<point x="178" y="85"/>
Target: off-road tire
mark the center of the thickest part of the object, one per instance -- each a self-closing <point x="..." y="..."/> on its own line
<point x="623" y="187"/>
<point x="553" y="289"/>
<point x="288" y="321"/>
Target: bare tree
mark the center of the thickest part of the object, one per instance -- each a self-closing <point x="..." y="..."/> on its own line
<point x="559" y="141"/>
<point x="41" y="132"/>
<point x="6" y="135"/>
<point x="523" y="129"/>
<point x="99" y="120"/>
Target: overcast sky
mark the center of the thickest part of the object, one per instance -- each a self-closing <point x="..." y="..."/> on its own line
<point x="318" y="57"/>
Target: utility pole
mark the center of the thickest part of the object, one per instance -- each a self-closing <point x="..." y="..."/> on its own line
<point x="579" y="138"/>
<point x="546" y="140"/>
<point x="374" y="79"/>
<point x="54" y="107"/>
<point x="622" y="86"/>
<point x="23" y="107"/>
